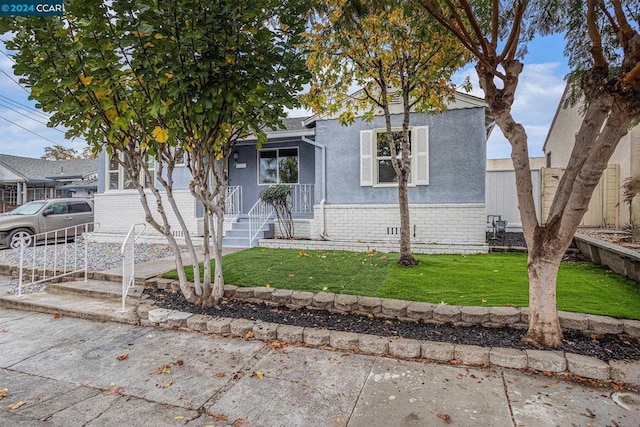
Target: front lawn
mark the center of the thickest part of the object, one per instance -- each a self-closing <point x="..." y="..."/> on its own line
<point x="481" y="280"/>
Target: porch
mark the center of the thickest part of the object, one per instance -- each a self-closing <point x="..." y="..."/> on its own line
<point x="243" y="228"/>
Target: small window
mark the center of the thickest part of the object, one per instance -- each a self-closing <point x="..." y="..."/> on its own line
<point x="118" y="179"/>
<point x="278" y="166"/>
<point x="79" y="207"/>
<point x="385" y="172"/>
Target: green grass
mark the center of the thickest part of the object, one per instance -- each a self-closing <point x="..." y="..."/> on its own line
<point x="481" y="280"/>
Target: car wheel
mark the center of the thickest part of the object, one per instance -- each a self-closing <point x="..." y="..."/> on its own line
<point x="16" y="237"/>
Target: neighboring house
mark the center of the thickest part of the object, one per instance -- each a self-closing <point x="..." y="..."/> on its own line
<point x="23" y="179"/>
<point x="343" y="183"/>
<point x="606" y="208"/>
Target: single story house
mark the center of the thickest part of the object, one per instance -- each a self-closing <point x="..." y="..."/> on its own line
<point x="23" y="179"/>
<point x="343" y="184"/>
<point x="606" y="208"/>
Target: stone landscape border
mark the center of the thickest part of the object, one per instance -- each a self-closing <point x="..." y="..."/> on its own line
<point x="627" y="372"/>
<point x="616" y="258"/>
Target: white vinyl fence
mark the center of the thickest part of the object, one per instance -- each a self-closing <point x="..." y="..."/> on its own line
<point x="502" y="199"/>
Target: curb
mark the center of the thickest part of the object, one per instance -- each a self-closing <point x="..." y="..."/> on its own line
<point x="619" y="371"/>
<point x="544" y="361"/>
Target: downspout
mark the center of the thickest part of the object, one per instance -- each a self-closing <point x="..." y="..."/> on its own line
<point x="323" y="188"/>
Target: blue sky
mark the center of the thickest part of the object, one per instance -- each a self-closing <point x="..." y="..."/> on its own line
<point x="540" y="88"/>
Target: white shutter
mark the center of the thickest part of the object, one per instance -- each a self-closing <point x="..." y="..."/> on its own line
<point x="366" y="158"/>
<point x="420" y="150"/>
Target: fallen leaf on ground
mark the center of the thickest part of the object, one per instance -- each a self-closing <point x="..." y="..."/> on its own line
<point x="57" y="315"/>
<point x="219" y="374"/>
<point x="276" y="345"/>
<point x="445" y="417"/>
<point x="178" y="417"/>
<point x="114" y="391"/>
<point x="238" y="421"/>
<point x="248" y="335"/>
<point x="179" y="362"/>
<point x="3" y="393"/>
<point x="122" y="357"/>
<point x="222" y="417"/>
<point x="167" y="385"/>
<point x="16" y="405"/>
<point x="258" y="374"/>
<point x="164" y="370"/>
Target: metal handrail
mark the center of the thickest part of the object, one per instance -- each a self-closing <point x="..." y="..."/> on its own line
<point x="259" y="215"/>
<point x="50" y="242"/>
<point x="233" y="200"/>
<point x="127" y="251"/>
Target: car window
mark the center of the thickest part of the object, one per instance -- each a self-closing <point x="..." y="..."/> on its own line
<point x="79" y="207"/>
<point x="28" y="208"/>
<point x="58" y="208"/>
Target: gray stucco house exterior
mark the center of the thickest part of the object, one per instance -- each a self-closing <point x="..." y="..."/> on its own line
<point x="343" y="188"/>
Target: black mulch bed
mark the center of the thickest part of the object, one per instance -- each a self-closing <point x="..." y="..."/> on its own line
<point x="606" y="348"/>
<point x="508" y="239"/>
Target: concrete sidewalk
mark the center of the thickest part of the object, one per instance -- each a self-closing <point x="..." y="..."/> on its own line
<point x="61" y="371"/>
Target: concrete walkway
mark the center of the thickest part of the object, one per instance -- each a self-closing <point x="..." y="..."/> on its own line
<point x="61" y="371"/>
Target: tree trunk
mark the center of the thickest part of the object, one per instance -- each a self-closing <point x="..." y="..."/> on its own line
<point x="406" y="257"/>
<point x="544" y="325"/>
<point x="218" y="280"/>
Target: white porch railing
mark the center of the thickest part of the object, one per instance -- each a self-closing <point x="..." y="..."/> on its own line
<point x="259" y="214"/>
<point x="233" y="201"/>
<point x="301" y="198"/>
<point x="58" y="257"/>
<point x="127" y="251"/>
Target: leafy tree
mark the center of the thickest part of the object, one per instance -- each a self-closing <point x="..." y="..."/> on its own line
<point x="603" y="45"/>
<point x="150" y="81"/>
<point x="58" y="152"/>
<point x="389" y="52"/>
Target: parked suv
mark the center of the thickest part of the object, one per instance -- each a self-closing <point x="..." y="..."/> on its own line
<point x="43" y="216"/>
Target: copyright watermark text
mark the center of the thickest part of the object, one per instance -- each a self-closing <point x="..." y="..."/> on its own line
<point x="31" y="7"/>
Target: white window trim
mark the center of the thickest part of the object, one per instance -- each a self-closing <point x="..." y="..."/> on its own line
<point x="277" y="150"/>
<point x="419" y="157"/>
<point x="376" y="175"/>
<point x="121" y="177"/>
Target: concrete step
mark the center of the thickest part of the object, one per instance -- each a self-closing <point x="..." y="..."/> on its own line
<point x="235" y="242"/>
<point x="105" y="310"/>
<point x="237" y="233"/>
<point x="95" y="289"/>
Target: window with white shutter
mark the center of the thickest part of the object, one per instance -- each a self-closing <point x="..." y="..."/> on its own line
<point x="375" y="157"/>
<point x="366" y="158"/>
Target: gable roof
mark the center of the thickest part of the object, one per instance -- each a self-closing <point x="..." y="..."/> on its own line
<point x="461" y="101"/>
<point x="38" y="170"/>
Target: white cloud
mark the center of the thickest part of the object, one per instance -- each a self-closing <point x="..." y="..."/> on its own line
<point x="539" y="91"/>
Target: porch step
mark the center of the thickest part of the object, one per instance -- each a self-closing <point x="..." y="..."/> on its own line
<point x="97" y="289"/>
<point x="238" y="235"/>
<point x="86" y="304"/>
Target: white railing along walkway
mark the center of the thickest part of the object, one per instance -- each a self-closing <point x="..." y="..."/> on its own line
<point x="259" y="214"/>
<point x="59" y="258"/>
<point x="127" y="251"/>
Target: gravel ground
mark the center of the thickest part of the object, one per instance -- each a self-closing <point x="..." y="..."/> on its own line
<point x="604" y="348"/>
<point x="100" y="256"/>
